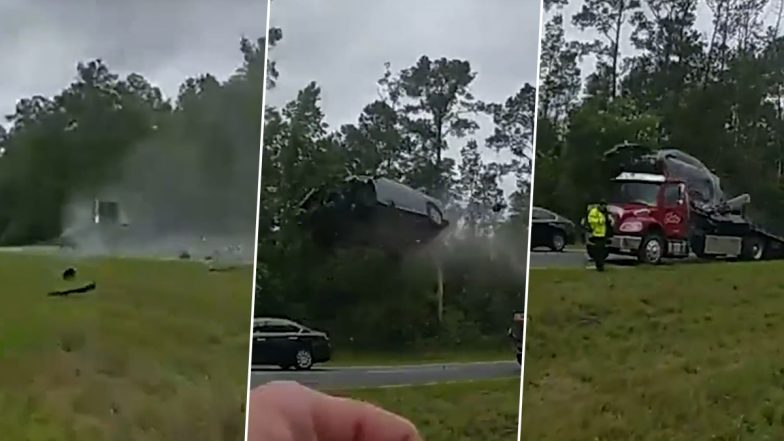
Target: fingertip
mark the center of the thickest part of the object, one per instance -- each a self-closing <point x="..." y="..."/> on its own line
<point x="280" y="410"/>
<point x="348" y="419"/>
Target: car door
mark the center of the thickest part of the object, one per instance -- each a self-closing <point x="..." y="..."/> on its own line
<point x="538" y="228"/>
<point x="289" y="340"/>
<point x="552" y="226"/>
<point x="675" y="211"/>
<point x="278" y="342"/>
<point x="263" y="346"/>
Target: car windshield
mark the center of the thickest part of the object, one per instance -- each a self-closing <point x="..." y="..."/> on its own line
<point x="643" y="193"/>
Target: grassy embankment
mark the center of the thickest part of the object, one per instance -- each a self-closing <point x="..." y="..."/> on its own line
<point x="682" y="352"/>
<point x="157" y="352"/>
<point x="482" y="410"/>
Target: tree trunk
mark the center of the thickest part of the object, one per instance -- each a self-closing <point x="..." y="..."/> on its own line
<point x="440" y="290"/>
<point x="617" y="49"/>
<point x="718" y="19"/>
<point x="439" y="122"/>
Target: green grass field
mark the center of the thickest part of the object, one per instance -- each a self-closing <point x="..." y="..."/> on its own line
<point x="475" y="411"/>
<point x="684" y="352"/>
<point x="158" y="352"/>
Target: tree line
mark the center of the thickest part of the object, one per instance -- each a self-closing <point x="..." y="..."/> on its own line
<point x="659" y="80"/>
<point x="196" y="150"/>
<point x="360" y="296"/>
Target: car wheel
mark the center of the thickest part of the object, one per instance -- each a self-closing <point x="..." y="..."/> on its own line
<point x="303" y="359"/>
<point x="519" y="358"/>
<point x="557" y="242"/>
<point x="435" y="215"/>
<point x="652" y="249"/>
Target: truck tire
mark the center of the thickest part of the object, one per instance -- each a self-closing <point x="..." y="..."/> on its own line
<point x="697" y="244"/>
<point x="651" y="249"/>
<point x="753" y="248"/>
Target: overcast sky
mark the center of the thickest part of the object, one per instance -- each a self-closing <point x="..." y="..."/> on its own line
<point x="343" y="45"/>
<point x="704" y="24"/>
<point x="167" y="41"/>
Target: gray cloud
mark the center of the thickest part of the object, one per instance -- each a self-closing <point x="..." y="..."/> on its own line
<point x="167" y="41"/>
<point x="343" y="45"/>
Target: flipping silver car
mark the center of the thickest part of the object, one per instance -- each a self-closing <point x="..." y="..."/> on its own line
<point x="372" y="211"/>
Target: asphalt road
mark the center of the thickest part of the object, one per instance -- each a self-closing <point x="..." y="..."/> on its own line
<point x="575" y="258"/>
<point x="387" y="376"/>
<point x="572" y="258"/>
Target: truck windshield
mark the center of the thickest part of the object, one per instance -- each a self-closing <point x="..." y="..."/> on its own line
<point x="643" y="193"/>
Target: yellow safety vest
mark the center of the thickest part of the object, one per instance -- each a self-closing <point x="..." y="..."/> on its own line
<point x="598" y="222"/>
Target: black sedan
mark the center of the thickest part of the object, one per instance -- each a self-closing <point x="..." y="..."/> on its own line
<point x="284" y="343"/>
<point x="372" y="211"/>
<point x="551" y="230"/>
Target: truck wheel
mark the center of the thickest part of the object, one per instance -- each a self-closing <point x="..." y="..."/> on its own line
<point x="652" y="249"/>
<point x="697" y="245"/>
<point x="753" y="248"/>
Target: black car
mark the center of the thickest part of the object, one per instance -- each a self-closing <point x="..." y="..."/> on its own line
<point x="371" y="211"/>
<point x="288" y="344"/>
<point x="551" y="230"/>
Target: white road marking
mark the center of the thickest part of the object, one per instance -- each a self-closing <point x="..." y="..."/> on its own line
<point x="420" y="365"/>
<point x="432" y="383"/>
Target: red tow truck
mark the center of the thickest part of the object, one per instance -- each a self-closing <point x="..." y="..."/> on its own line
<point x="667" y="204"/>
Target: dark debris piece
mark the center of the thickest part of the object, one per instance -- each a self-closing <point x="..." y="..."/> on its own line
<point x="222" y="269"/>
<point x="69" y="274"/>
<point x="80" y="290"/>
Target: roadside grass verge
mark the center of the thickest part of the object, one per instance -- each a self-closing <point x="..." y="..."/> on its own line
<point x="158" y="352"/>
<point x="480" y="410"/>
<point x="682" y="352"/>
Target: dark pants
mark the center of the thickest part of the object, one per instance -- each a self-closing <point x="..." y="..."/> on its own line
<point x="597" y="250"/>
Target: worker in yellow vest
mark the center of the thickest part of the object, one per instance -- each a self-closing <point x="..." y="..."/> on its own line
<point x="598" y="229"/>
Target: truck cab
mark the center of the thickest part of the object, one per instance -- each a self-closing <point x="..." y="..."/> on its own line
<point x="649" y="216"/>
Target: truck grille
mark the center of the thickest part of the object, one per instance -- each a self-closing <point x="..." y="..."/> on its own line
<point x="625" y="243"/>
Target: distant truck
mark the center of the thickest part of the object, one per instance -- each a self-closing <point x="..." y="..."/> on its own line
<point x="667" y="204"/>
<point x="108" y="213"/>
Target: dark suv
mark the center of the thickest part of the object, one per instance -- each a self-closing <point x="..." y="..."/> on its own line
<point x="288" y="344"/>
